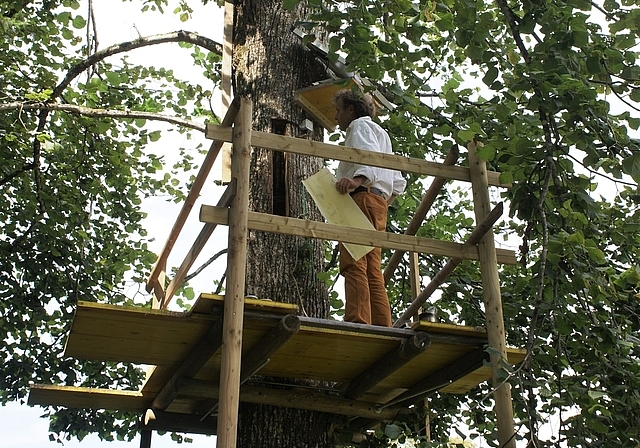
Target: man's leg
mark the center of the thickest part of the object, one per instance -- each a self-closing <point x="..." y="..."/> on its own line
<point x="356" y="288"/>
<point x="376" y="210"/>
<point x="380" y="308"/>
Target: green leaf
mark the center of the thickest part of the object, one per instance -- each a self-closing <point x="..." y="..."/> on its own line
<point x="79" y="22"/>
<point x="490" y="76"/>
<point x="631" y="165"/>
<point x="595" y="394"/>
<point x="486" y="152"/>
<point x="466" y="135"/>
<point x="385" y="47"/>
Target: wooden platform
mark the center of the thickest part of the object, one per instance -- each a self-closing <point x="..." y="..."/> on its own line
<point x="370" y="372"/>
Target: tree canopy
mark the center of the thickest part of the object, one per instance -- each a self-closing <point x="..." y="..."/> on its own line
<point x="550" y="87"/>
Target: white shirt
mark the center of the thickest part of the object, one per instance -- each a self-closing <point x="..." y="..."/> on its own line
<point x="364" y="133"/>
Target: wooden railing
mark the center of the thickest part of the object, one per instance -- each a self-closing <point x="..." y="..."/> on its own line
<point x="232" y="210"/>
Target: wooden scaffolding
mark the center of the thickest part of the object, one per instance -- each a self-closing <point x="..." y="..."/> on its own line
<point x="205" y="358"/>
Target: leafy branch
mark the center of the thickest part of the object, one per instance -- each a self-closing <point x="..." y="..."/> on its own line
<point x="104" y="113"/>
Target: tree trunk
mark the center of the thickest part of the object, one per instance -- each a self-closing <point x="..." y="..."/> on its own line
<point x="269" y="64"/>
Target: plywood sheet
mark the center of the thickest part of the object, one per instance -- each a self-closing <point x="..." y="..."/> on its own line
<point x="337" y="208"/>
<point x="328" y="351"/>
<point x="207" y="303"/>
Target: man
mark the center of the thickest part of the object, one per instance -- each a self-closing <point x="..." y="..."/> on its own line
<point x="373" y="189"/>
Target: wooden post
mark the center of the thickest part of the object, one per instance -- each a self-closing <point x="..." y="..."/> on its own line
<point x="492" y="299"/>
<point x="236" y="269"/>
<point x="145" y="438"/>
<point x="225" y="82"/>
<point x="414" y="277"/>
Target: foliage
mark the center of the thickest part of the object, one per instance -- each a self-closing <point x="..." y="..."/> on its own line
<point x="551" y="90"/>
<point x="72" y="188"/>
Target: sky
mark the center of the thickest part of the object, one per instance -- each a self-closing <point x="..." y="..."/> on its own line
<point x="119" y="21"/>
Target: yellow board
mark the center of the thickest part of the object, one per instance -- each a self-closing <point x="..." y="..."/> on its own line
<point x="338" y="208"/>
<point x="87" y="398"/>
<point x="323" y="350"/>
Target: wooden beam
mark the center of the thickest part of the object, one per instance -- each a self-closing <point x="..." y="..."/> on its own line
<point x="175" y="422"/>
<point x="296" y="398"/>
<point x="408" y="349"/>
<point x="87" y="398"/>
<point x="421" y="212"/>
<point x="462" y="338"/>
<point x="492" y="300"/>
<point x="197" y="247"/>
<point x="194" y="193"/>
<point x="205" y="349"/>
<point x="448" y="268"/>
<point x="446" y="375"/>
<point x="225" y="83"/>
<point x="353" y="155"/>
<point x="145" y="438"/>
<point x="414" y="280"/>
<point x="320" y="230"/>
<point x="443" y="377"/>
<point x="236" y="269"/>
<point x="260" y="353"/>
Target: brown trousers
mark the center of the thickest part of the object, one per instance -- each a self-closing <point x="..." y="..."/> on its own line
<point x="365" y="293"/>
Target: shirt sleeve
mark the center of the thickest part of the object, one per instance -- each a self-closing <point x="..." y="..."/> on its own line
<point x="362" y="137"/>
<point x="399" y="183"/>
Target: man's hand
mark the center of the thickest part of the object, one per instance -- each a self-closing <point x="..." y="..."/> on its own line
<point x="347" y="185"/>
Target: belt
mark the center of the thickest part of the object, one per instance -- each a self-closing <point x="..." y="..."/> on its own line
<point x="373" y="190"/>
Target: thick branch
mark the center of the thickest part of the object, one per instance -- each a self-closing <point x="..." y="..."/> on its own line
<point x="103" y="113"/>
<point x="75" y="71"/>
<point x="178" y="36"/>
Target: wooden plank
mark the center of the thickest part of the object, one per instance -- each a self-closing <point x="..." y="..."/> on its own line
<point x="196" y="248"/>
<point x="225" y="83"/>
<point x="390" y="363"/>
<point x="296" y="398"/>
<point x="118" y="349"/>
<point x="194" y="193"/>
<point x="444" y="328"/>
<point x="87" y="398"/>
<point x="267" y="346"/>
<point x="176" y="422"/>
<point x="136" y="323"/>
<point x="198" y="357"/>
<point x="320" y="230"/>
<point x="353" y="155"/>
<point x="133" y="334"/>
<point x="260" y="353"/>
<point x="438" y="379"/>
<point x="206" y="303"/>
<point x="414" y="280"/>
<point x="236" y="268"/>
<point x="471" y="380"/>
<point x="321" y="116"/>
<point x="492" y="299"/>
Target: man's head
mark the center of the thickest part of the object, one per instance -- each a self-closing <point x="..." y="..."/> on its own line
<point x="351" y="105"/>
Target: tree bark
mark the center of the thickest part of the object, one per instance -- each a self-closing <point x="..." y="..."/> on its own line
<point x="269" y="64"/>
